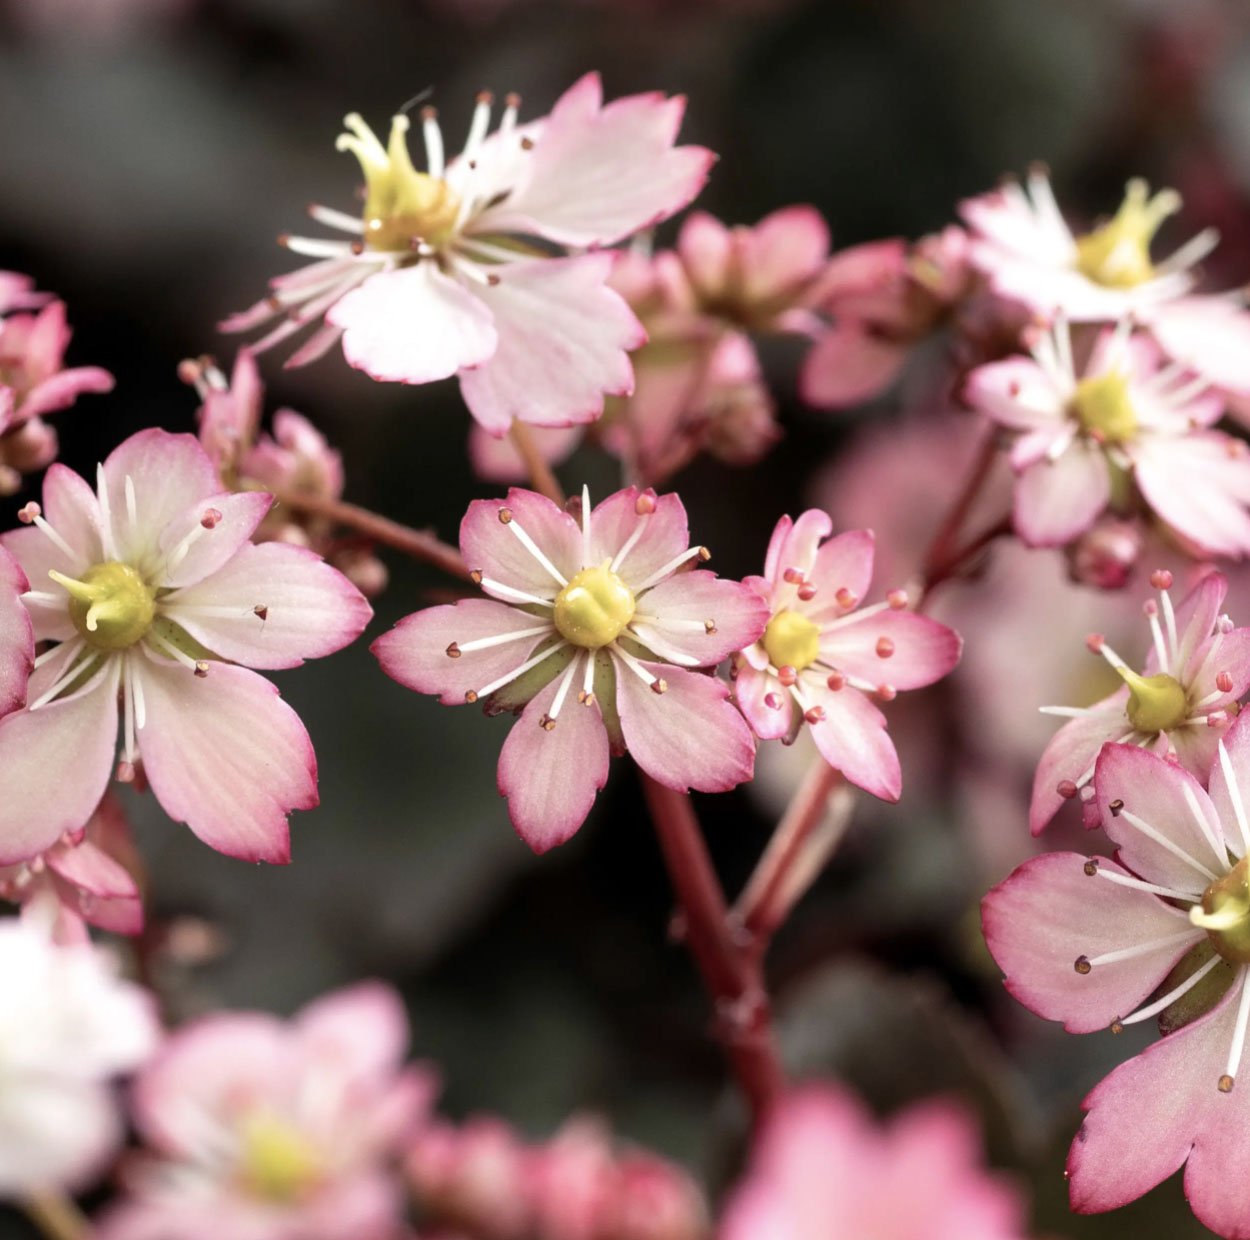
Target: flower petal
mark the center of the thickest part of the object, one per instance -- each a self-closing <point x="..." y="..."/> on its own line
<point x="689" y="736"/>
<point x="1056" y="500"/>
<point x="795" y="544"/>
<point x="1210" y="335"/>
<point x="737" y="615"/>
<point x="564" y="336"/>
<point x="665" y="533"/>
<point x="17" y="638"/>
<point x="852" y="737"/>
<point x="1050" y="912"/>
<point x="491" y="542"/>
<point x="551" y="776"/>
<point x="1016" y="393"/>
<point x="362" y="1030"/>
<point x="848" y="365"/>
<point x="225" y="755"/>
<point x="917" y="650"/>
<point x="413" y="325"/>
<point x="271" y="606"/>
<point x="207" y="535"/>
<point x="844" y="562"/>
<point x="751" y="688"/>
<point x="1196" y="615"/>
<point x="1237" y="743"/>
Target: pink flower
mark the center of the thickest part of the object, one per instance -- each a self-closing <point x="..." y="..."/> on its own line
<point x="595" y="631"/>
<point x="1165" y="925"/>
<point x="34" y="381"/>
<point x="1179" y="705"/>
<point x="1125" y="415"/>
<point x="152" y="590"/>
<point x="229" y="417"/>
<point x="824" y="1168"/>
<point x="820" y="657"/>
<point x="81" y="881"/>
<point x="68" y="1026"/>
<point x="442" y="279"/>
<point x="17" y="638"/>
<point x="263" y="1129"/>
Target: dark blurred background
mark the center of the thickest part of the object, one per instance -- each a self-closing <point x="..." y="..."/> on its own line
<point x="151" y="152"/>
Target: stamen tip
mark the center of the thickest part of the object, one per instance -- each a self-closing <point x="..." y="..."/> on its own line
<point x="1082" y="965"/>
<point x="1225" y="1084"/>
<point x="1161" y="579"/>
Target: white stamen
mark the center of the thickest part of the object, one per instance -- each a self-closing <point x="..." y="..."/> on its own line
<point x="1171" y="997"/>
<point x="853" y="617"/>
<point x="532" y="547"/>
<point x="319" y="247"/>
<point x="1169" y="618"/>
<point x="1156" y="632"/>
<point x="43" y="598"/>
<point x="563" y="691"/>
<point x="1239" y="1032"/>
<point x="1113" y="658"/>
<point x="1153" y="833"/>
<point x="132" y="506"/>
<point x="1065" y="712"/>
<point x="656" y="642"/>
<point x="1062" y="441"/>
<point x="633" y="664"/>
<point x="1137" y="884"/>
<point x="1193" y="251"/>
<point x="671" y="567"/>
<point x="520" y="671"/>
<point x="106" y="517"/>
<point x="1234" y="795"/>
<point x="435" y="158"/>
<point x="478" y="128"/>
<point x="1208" y="831"/>
<point x="141" y="702"/>
<point x="520" y="596"/>
<point x="682" y="626"/>
<point x="1063" y="347"/>
<point x="1144" y="949"/>
<point x="165" y="646"/>
<point x="586" y="526"/>
<point x="588" y="677"/>
<point x="129" y="747"/>
<point x="501" y="639"/>
<point x="41" y="524"/>
<point x="72" y="672"/>
<point x="630" y="543"/>
<point x="336" y="219"/>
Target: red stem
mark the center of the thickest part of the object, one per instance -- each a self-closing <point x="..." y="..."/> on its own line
<point x="938" y="553"/>
<point x="731" y="973"/>
<point x="542" y="477"/>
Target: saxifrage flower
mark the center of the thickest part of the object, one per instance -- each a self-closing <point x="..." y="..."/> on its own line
<point x="821" y="655"/>
<point x="151" y="589"/>
<point x="441" y="276"/>
<point x="596" y="631"/>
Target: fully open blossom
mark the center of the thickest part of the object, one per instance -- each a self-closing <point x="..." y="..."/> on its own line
<point x="596" y="629"/>
<point x="823" y="1168"/>
<point x="68" y="1025"/>
<point x="152" y="591"/>
<point x="440" y="276"/>
<point x="1029" y="254"/>
<point x="1179" y="704"/>
<point x="81" y="880"/>
<point x="17" y="638"/>
<point x="34" y="381"/>
<point x="821" y="656"/>
<point x="1080" y="441"/>
<point x="262" y="1129"/>
<point x="1163" y="930"/>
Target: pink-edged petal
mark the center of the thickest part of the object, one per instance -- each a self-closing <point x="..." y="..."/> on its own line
<point x="1200" y="486"/>
<point x="62" y="389"/>
<point x="1210" y="335"/>
<point x="271" y="606"/>
<point x="496" y="458"/>
<point x="1016" y="393"/>
<point x="56" y="762"/>
<point x="1196" y="615"/>
<point x="795" y="543"/>
<point x="208" y="535"/>
<point x="168" y="474"/>
<point x="844" y="562"/>
<point x="1050" y="912"/>
<point x="596" y="175"/>
<point x="413" y="325"/>
<point x="850" y="364"/>
<point x="414" y="652"/>
<point x="783" y="252"/>
<point x="736" y="614"/>
<point x="664" y="536"/>
<point x="705" y="247"/>
<point x="898" y="648"/>
<point x="1159" y="1109"/>
<point x="1221" y="654"/>
<point x="753" y="691"/>
<point x="1196" y="748"/>
<point x="490" y="547"/>
<point x="689" y="736"/>
<point x="564" y="339"/>
<point x="69" y="506"/>
<point x="1132" y="781"/>
<point x="17" y="637"/>
<point x="1070" y="756"/>
<point x="1237" y="743"/>
<point x="225" y="755"/>
<point x="551" y="776"/>
<point x="361" y="1030"/>
<point x="98" y="888"/>
<point x="852" y="737"/>
<point x="1054" y="501"/>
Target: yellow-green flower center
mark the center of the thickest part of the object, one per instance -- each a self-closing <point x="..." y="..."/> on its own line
<point x="402" y="205"/>
<point x="279" y="1163"/>
<point x="1101" y="404"/>
<point x="1117" y="254"/>
<point x="1155" y="703"/>
<point x="594" y="608"/>
<point x="1225" y="914"/>
<point x="792" y="640"/>
<point x="110" y="605"/>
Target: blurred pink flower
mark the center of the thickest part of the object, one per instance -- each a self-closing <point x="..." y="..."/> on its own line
<point x="33" y="379"/>
<point x="824" y="1168"/>
<point x="1170" y="918"/>
<point x="1126" y="414"/>
<point x="68" y="1026"/>
<point x="17" y="638"/>
<point x="153" y="591"/>
<point x="600" y="612"/>
<point x="262" y="1129"/>
<point x="820" y="657"/>
<point x="438" y="280"/>
<point x="81" y="880"/>
<point x="1180" y="705"/>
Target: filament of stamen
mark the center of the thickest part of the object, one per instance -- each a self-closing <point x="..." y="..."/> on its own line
<point x="318" y="247"/>
<point x="630" y="543"/>
<point x="167" y="647"/>
<point x="588" y="679"/>
<point x="1156" y="632"/>
<point x="433" y="136"/>
<point x="563" y="691"/>
<point x="520" y="596"/>
<point x="1063" y="346"/>
<point x="1153" y="833"/>
<point x="533" y="548"/>
<point x="478" y="126"/>
<point x="1239" y="1037"/>
<point x="671" y="567"/>
<point x="70" y="651"/>
<point x="1169" y="618"/>
<point x="633" y="664"/>
<point x="336" y="219"/>
<point x="1065" y="712"/>
<point x="1234" y="795"/>
<point x="132" y="506"/>
<point x="655" y="641"/>
<point x="854" y="618"/>
<point x="1138" y="884"/>
<point x="501" y="639"/>
<point x="42" y="524"/>
<point x="106" y="518"/>
<point x="1193" y="251"/>
<point x="534" y="661"/>
<point x="1208" y="832"/>
<point x="586" y="527"/>
<point x="1144" y="949"/>
<point x="1171" y="997"/>
<point x="129" y="747"/>
<point x="67" y="678"/>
